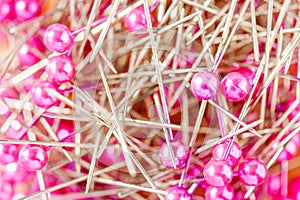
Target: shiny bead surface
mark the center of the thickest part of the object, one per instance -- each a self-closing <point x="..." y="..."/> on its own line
<point x="219" y="193"/>
<point x="180" y="154"/>
<point x="234" y="155"/>
<point x="290" y="149"/>
<point x="205" y="85"/>
<point x="8" y="153"/>
<point x="60" y="69"/>
<point x="136" y="20"/>
<point x="58" y="38"/>
<point x="27" y="9"/>
<point x="252" y="172"/>
<point x="41" y="97"/>
<point x="217" y="173"/>
<point x="33" y="158"/>
<point x="6" y="10"/>
<point x="235" y="86"/>
<point x="177" y="193"/>
<point x="10" y="170"/>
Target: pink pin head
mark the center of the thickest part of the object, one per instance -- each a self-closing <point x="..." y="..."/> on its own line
<point x="14" y="172"/>
<point x="6" y="10"/>
<point x="252" y="172"/>
<point x="60" y="69"/>
<point x="8" y="153"/>
<point x="221" y="193"/>
<point x="33" y="158"/>
<point x="111" y="155"/>
<point x="217" y="173"/>
<point x="235" y="86"/>
<point x="58" y="38"/>
<point x="6" y="190"/>
<point x="41" y="97"/>
<point x="290" y="149"/>
<point x="234" y="155"/>
<point x="205" y="85"/>
<point x="27" y="9"/>
<point x="177" y="193"/>
<point x="180" y="154"/>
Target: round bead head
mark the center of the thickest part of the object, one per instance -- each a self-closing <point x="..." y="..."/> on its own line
<point x="27" y="9"/>
<point x="33" y="158"/>
<point x="290" y="149"/>
<point x="180" y="154"/>
<point x="219" y="193"/>
<point x="234" y="155"/>
<point x="252" y="172"/>
<point x="136" y="20"/>
<point x="217" y="173"/>
<point x="235" y="86"/>
<point x="60" y="69"/>
<point x="205" y="85"/>
<point x="8" y="153"/>
<point x="42" y="97"/>
<point x="6" y="10"/>
<point x="58" y="38"/>
<point x="177" y="193"/>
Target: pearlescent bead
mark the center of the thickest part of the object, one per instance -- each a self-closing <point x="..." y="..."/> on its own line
<point x="33" y="158"/>
<point x="8" y="153"/>
<point x="111" y="155"/>
<point x="252" y="172"/>
<point x="60" y="69"/>
<point x="219" y="193"/>
<point x="235" y="86"/>
<point x="41" y="97"/>
<point x="177" y="193"/>
<point x="234" y="155"/>
<point x="217" y="173"/>
<point x="6" y="10"/>
<point x="136" y="20"/>
<point x="27" y="9"/>
<point x="180" y="154"/>
<point x="290" y="149"/>
<point x="205" y="85"/>
<point x="58" y="38"/>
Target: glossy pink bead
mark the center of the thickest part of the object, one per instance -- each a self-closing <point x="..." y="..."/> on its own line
<point x="294" y="111"/>
<point x="217" y="173"/>
<point x="136" y="20"/>
<point x="10" y="170"/>
<point x="6" y="190"/>
<point x="252" y="172"/>
<point x="27" y="9"/>
<point x="60" y="69"/>
<point x="290" y="149"/>
<point x="6" y="10"/>
<point x="111" y="155"/>
<point x="41" y="97"/>
<point x="234" y="155"/>
<point x="235" y="86"/>
<point x="205" y="85"/>
<point x="33" y="158"/>
<point x="180" y="154"/>
<point x="58" y="38"/>
<point x="177" y="193"/>
<point x="8" y="153"/>
<point x="219" y="193"/>
<point x="26" y="54"/>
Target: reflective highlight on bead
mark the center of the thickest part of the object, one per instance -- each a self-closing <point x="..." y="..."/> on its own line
<point x="136" y="20"/>
<point x="41" y="97"/>
<point x="217" y="173"/>
<point x="8" y="153"/>
<point x="6" y="10"/>
<point x="177" y="193"/>
<point x="33" y="158"/>
<point x="180" y="154"/>
<point x="219" y="193"/>
<point x="234" y="155"/>
<point x="252" y="172"/>
<point x="27" y="9"/>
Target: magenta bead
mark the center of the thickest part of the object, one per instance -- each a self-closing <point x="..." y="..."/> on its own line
<point x="111" y="155"/>
<point x="27" y="9"/>
<point x="10" y="170"/>
<point x="235" y="86"/>
<point x="41" y="97"/>
<point x="60" y="69"/>
<point x="26" y="53"/>
<point x="217" y="173"/>
<point x="180" y="154"/>
<point x="33" y="158"/>
<point x="177" y="193"/>
<point x="290" y="149"/>
<point x="8" y="153"/>
<point x="6" y="10"/>
<point x="205" y="85"/>
<point x="58" y="38"/>
<point x="219" y="193"/>
<point x="234" y="155"/>
<point x="252" y="172"/>
<point x="136" y="20"/>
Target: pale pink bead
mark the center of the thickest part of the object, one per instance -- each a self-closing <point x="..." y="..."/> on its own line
<point x="136" y="20"/>
<point x="235" y="86"/>
<point x="8" y="153"/>
<point x="6" y="10"/>
<point x="43" y="98"/>
<point x="10" y="170"/>
<point x="219" y="193"/>
<point x="180" y="154"/>
<point x="234" y="155"/>
<point x="26" y="54"/>
<point x="60" y="69"/>
<point x="252" y="172"/>
<point x="290" y="149"/>
<point x="294" y="111"/>
<point x="205" y="85"/>
<point x="27" y="9"/>
<point x="33" y="158"/>
<point x="217" y="173"/>
<point x="6" y="190"/>
<point x="111" y="155"/>
<point x="177" y="193"/>
<point x="58" y="38"/>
